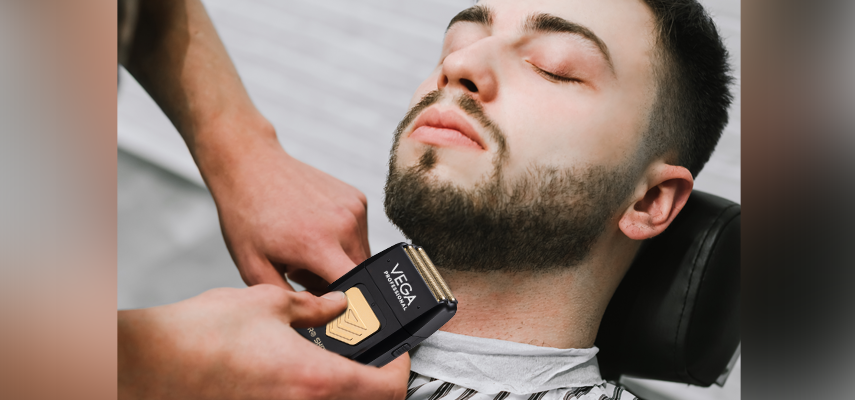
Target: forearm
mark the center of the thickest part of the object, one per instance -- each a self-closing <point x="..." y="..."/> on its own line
<point x="181" y="62"/>
<point x="151" y="363"/>
<point x="278" y="215"/>
<point x="133" y="378"/>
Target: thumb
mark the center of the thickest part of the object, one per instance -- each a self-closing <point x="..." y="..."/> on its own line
<point x="305" y="310"/>
<point x="389" y="382"/>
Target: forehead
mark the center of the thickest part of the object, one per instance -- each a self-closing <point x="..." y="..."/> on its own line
<point x="625" y="26"/>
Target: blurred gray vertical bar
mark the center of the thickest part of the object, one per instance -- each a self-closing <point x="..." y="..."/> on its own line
<point x="798" y="253"/>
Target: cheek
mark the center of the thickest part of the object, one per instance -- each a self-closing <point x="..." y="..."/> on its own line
<point x="428" y="85"/>
<point x="620" y="124"/>
<point x="547" y="130"/>
<point x="569" y="130"/>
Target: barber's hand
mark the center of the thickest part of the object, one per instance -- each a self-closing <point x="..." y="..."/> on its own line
<point x="239" y="344"/>
<point x="279" y="215"/>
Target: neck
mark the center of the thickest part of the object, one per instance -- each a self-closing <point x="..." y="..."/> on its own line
<point x="560" y="308"/>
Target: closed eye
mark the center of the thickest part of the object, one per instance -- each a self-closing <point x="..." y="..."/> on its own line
<point x="553" y="77"/>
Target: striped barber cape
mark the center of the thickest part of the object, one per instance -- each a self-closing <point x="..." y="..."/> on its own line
<point x="458" y="367"/>
<point x="421" y="387"/>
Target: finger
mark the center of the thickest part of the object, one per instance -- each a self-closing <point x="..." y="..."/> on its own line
<point x="387" y="383"/>
<point x="260" y="270"/>
<point x="355" y="251"/>
<point x="362" y="220"/>
<point x="399" y="368"/>
<point x="312" y="282"/>
<point x="353" y="235"/>
<point x="363" y="234"/>
<point x="329" y="263"/>
<point x="311" y="285"/>
<point x="355" y="243"/>
<point x="306" y="310"/>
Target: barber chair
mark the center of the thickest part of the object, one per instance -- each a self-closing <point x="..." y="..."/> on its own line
<point x="675" y="316"/>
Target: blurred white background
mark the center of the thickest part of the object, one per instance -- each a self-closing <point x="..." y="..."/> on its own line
<point x="334" y="77"/>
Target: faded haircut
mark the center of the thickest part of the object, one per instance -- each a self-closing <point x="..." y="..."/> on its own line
<point x="692" y="79"/>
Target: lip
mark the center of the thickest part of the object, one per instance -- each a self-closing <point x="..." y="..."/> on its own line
<point x="446" y="124"/>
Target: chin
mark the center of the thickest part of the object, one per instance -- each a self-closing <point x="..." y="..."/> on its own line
<point x="458" y="167"/>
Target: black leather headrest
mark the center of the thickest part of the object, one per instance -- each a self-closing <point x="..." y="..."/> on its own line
<point x="675" y="315"/>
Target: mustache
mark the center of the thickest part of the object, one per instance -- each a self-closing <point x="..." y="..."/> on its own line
<point x="468" y="105"/>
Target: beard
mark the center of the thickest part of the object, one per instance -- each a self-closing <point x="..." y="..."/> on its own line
<point x="547" y="219"/>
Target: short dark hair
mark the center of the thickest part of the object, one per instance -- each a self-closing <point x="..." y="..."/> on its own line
<point x="692" y="79"/>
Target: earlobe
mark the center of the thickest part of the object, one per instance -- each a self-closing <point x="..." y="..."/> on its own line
<point x="668" y="190"/>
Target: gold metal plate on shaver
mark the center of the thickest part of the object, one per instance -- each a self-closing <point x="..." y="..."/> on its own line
<point x="358" y="321"/>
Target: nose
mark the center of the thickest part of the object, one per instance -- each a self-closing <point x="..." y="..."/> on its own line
<point x="471" y="70"/>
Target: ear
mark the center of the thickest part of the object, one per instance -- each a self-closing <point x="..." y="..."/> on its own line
<point x="668" y="189"/>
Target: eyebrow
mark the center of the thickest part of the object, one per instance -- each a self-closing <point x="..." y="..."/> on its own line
<point x="542" y="22"/>
<point x="478" y="14"/>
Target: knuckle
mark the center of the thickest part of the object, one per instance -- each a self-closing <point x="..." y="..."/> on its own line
<point x="301" y="297"/>
<point x="269" y="291"/>
<point x="346" y="222"/>
<point x="250" y="269"/>
<point x="360" y="212"/>
<point x="363" y="200"/>
<point x="223" y="292"/>
<point x="301" y="300"/>
<point x="352" y="227"/>
<point x="358" y="203"/>
<point x="249" y="276"/>
<point x="266" y="289"/>
<point x="344" y="212"/>
<point x="314" y="385"/>
<point x="311" y="238"/>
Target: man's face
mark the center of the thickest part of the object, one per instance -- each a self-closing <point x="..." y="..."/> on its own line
<point x="533" y="116"/>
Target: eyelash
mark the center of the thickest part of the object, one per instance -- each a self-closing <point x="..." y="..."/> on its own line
<point x="553" y="77"/>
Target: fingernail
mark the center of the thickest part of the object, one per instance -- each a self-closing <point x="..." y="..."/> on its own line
<point x="334" y="295"/>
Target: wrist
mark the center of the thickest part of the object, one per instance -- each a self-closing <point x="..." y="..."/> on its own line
<point x="224" y="147"/>
<point x="147" y="352"/>
<point x="130" y="361"/>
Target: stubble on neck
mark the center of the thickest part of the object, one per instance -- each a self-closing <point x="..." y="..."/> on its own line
<point x="559" y="308"/>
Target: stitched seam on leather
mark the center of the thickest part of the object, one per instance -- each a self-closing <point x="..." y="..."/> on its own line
<point x="688" y="284"/>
